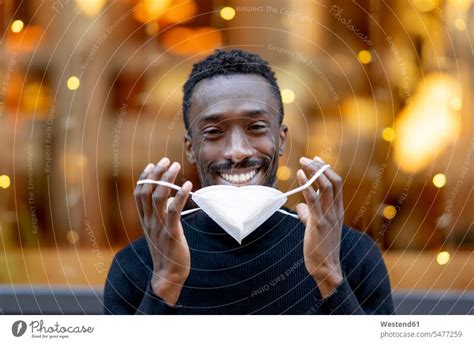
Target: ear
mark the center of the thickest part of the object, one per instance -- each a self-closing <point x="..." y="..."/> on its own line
<point x="282" y="135"/>
<point x="188" y="145"/>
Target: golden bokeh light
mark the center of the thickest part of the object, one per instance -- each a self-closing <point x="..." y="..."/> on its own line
<point x="148" y="10"/>
<point x="17" y="26"/>
<point x="72" y="237"/>
<point x="388" y="134"/>
<point x="389" y="212"/>
<point x="460" y="24"/>
<point x="439" y="180"/>
<point x="443" y="258"/>
<point x="426" y="127"/>
<point x="360" y="114"/>
<point x="36" y="97"/>
<point x="426" y="5"/>
<point x="91" y="7"/>
<point x="152" y="28"/>
<point x="5" y="181"/>
<point x="461" y="5"/>
<point x="180" y="11"/>
<point x="364" y="57"/>
<point x="283" y="173"/>
<point x="456" y="103"/>
<point x="182" y="40"/>
<point x="227" y="13"/>
<point x="73" y="83"/>
<point x="287" y="96"/>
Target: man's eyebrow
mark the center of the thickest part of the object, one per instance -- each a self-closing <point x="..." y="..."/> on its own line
<point x="212" y="117"/>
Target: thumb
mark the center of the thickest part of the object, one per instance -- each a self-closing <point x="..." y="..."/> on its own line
<point x="303" y="212"/>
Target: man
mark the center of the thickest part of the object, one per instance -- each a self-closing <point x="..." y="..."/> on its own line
<point x="188" y="264"/>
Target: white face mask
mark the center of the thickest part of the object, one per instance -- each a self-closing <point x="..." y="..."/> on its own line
<point x="240" y="210"/>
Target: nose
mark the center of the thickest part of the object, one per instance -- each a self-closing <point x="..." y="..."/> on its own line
<point x="238" y="146"/>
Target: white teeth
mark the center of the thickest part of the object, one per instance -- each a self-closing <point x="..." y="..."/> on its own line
<point x="239" y="178"/>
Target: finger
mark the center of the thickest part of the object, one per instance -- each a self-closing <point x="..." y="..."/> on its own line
<point x="169" y="201"/>
<point x="311" y="197"/>
<point x="147" y="189"/>
<point x="176" y="206"/>
<point x="138" y="189"/>
<point x="161" y="193"/>
<point x="336" y="181"/>
<point x="317" y="158"/>
<point x="310" y="167"/>
<point x="303" y="212"/>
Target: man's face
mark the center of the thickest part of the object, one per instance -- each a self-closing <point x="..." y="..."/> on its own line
<point x="236" y="137"/>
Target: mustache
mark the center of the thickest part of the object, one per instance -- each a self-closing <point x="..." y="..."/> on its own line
<point x="227" y="165"/>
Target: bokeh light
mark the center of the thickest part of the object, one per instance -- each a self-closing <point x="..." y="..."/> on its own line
<point x="443" y="258"/>
<point x="287" y="96"/>
<point x="364" y="56"/>
<point x="17" y="26"/>
<point x="388" y="134"/>
<point x="73" y="83"/>
<point x="227" y="13"/>
<point x="439" y="180"/>
<point x="4" y="181"/>
<point x="389" y="212"/>
<point x="283" y="173"/>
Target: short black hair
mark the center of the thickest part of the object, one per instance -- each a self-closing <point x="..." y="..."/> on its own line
<point x="228" y="62"/>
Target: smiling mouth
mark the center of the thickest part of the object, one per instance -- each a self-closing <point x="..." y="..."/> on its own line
<point x="239" y="177"/>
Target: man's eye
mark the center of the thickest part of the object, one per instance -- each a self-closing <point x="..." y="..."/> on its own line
<point x="258" y="127"/>
<point x="212" y="132"/>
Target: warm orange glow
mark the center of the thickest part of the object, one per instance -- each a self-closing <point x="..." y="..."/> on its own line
<point x="27" y="41"/>
<point x="91" y="7"/>
<point x="461" y="5"/>
<point x="388" y="134"/>
<point x="360" y="114"/>
<point x="35" y="97"/>
<point x="152" y="28"/>
<point x="429" y="125"/>
<point x="72" y="237"/>
<point x="426" y="5"/>
<point x="364" y="56"/>
<point x="73" y="164"/>
<point x="460" y="24"/>
<point x="283" y="173"/>
<point x="148" y="10"/>
<point x="183" y="40"/>
<point x="180" y="11"/>
<point x="456" y="103"/>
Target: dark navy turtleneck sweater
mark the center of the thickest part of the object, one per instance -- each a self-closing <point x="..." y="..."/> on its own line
<point x="266" y="274"/>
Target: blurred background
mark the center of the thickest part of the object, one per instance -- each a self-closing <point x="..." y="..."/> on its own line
<point x="90" y="92"/>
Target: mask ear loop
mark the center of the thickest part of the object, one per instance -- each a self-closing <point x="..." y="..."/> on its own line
<point x="309" y="182"/>
<point x="160" y="182"/>
<point x="302" y="187"/>
<point x="172" y="186"/>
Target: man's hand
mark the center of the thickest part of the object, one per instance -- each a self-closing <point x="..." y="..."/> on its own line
<point x="160" y="217"/>
<point x="323" y="216"/>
